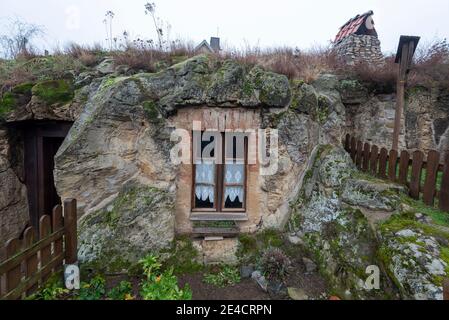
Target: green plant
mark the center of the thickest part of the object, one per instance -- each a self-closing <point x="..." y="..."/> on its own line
<point x="161" y="285"/>
<point x="52" y="290"/>
<point x="93" y="290"/>
<point x="227" y="275"/>
<point x="275" y="264"/>
<point x="121" y="292"/>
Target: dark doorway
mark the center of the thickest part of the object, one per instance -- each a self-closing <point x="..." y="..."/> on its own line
<point x="42" y="140"/>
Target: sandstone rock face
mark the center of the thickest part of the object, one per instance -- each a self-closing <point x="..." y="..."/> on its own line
<point x="333" y="216"/>
<point x="13" y="195"/>
<point x="139" y="220"/>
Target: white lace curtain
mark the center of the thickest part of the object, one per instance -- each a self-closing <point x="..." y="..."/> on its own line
<point x="205" y="181"/>
<point x="234" y="174"/>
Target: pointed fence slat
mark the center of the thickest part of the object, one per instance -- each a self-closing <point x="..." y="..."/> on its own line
<point x="13" y="276"/>
<point x="404" y="161"/>
<point x="392" y="162"/>
<point x="383" y="158"/>
<point x="31" y="262"/>
<point x="44" y="231"/>
<point x="366" y="151"/>
<point x="444" y="192"/>
<point x="433" y="161"/>
<point x="374" y="159"/>
<point x="358" y="161"/>
<point x="348" y="143"/>
<point x="353" y="148"/>
<point x="57" y="223"/>
<point x="415" y="179"/>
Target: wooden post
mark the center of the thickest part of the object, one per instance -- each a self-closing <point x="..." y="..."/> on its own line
<point x="406" y="50"/>
<point x="446" y="289"/>
<point x="70" y="217"/>
<point x="402" y="78"/>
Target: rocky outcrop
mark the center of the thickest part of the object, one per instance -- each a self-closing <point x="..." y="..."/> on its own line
<point x="138" y="221"/>
<point x="122" y="138"/>
<point x="13" y="194"/>
<point x="336" y="216"/>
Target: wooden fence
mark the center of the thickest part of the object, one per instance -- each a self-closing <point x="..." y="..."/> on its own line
<point x="426" y="177"/>
<point x="31" y="260"/>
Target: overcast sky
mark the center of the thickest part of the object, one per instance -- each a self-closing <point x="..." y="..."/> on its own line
<point x="294" y="23"/>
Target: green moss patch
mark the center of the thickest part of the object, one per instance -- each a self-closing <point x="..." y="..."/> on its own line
<point x="7" y="104"/>
<point x="54" y="91"/>
<point x="181" y="256"/>
<point x="24" y="88"/>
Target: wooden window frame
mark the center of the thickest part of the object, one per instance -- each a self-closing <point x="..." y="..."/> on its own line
<point x="220" y="185"/>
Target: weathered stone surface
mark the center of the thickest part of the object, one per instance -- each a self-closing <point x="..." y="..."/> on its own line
<point x="297" y="294"/>
<point x="139" y="221"/>
<point x="13" y="194"/>
<point x="343" y="242"/>
<point x="415" y="261"/>
<point x="373" y="195"/>
<point x="217" y="252"/>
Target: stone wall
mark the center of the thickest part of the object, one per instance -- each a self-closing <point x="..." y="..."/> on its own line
<point x="424" y="123"/>
<point x="360" y="48"/>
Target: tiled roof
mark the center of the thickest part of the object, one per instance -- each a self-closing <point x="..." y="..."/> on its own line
<point x="352" y="26"/>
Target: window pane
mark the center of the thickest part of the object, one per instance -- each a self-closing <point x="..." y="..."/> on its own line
<point x="205" y="171"/>
<point x="234" y="177"/>
<point x="234" y="197"/>
<point x="234" y="173"/>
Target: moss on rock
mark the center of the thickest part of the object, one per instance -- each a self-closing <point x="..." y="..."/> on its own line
<point x="7" y="104"/>
<point x="54" y="91"/>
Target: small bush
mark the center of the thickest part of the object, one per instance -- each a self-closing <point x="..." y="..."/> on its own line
<point x="275" y="264"/>
<point x="161" y="285"/>
<point x="93" y="290"/>
<point x="226" y="276"/>
<point x="121" y="292"/>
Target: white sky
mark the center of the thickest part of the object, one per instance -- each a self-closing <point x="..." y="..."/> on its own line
<point x="296" y="23"/>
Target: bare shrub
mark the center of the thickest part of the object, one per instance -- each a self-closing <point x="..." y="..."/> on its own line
<point x="17" y="40"/>
<point x="431" y="66"/>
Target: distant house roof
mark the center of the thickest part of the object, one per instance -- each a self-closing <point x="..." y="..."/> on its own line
<point x="204" y="46"/>
<point x="360" y="24"/>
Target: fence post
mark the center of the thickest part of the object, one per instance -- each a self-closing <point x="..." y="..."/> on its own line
<point x="446" y="289"/>
<point x="415" y="180"/>
<point x="444" y="192"/>
<point x="433" y="161"/>
<point x="392" y="162"/>
<point x="70" y="222"/>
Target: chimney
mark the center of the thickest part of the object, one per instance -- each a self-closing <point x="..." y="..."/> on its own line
<point x="215" y="44"/>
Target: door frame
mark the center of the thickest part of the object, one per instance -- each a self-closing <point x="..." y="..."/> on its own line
<point x="34" y="133"/>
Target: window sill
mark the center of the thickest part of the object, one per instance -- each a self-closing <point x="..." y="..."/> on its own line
<point x="218" y="216"/>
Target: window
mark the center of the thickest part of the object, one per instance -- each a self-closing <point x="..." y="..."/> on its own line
<point x="219" y="172"/>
